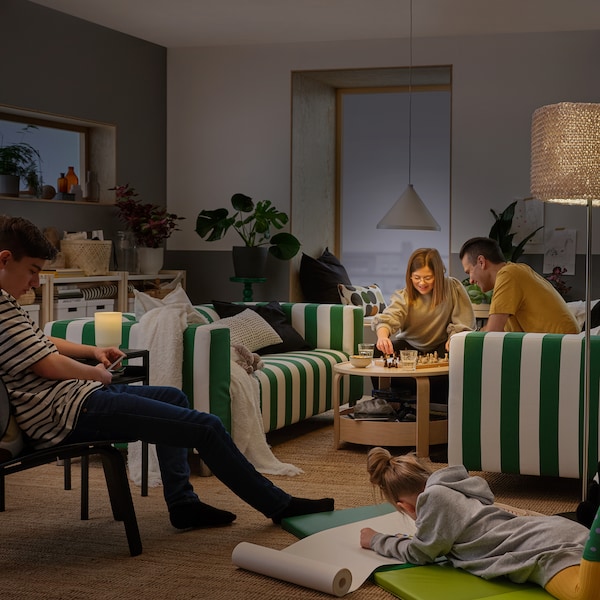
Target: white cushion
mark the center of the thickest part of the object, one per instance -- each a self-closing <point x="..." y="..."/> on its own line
<point x="249" y="329"/>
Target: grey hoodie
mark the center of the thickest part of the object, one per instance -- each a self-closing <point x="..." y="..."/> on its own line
<point x="456" y="518"/>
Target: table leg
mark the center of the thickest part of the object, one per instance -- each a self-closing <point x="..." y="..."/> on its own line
<point x="335" y="400"/>
<point x="247" y="294"/>
<point x="422" y="416"/>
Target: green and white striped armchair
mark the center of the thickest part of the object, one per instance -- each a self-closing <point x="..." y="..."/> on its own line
<point x="293" y="385"/>
<point x="516" y="403"/>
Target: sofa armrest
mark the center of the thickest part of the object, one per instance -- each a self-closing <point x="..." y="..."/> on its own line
<point x="515" y="403"/>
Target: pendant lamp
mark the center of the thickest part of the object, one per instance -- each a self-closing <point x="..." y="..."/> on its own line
<point x="565" y="169"/>
<point x="409" y="211"/>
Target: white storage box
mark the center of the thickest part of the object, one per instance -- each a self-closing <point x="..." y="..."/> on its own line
<point x="33" y="310"/>
<point x="69" y="308"/>
<point x="94" y="306"/>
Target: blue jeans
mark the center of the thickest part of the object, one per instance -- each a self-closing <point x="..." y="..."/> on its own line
<point x="160" y="415"/>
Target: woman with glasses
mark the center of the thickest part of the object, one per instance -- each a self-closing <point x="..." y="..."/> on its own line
<point x="428" y="311"/>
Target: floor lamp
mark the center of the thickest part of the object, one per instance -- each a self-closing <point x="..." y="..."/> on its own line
<point x="565" y="169"/>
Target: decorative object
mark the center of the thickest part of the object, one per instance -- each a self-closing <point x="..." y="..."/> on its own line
<point x="126" y="252"/>
<point x="150" y="224"/>
<point x="91" y="256"/>
<point x="19" y="161"/>
<point x="409" y="211"/>
<point x="150" y="260"/>
<point x="107" y="328"/>
<point x="72" y="179"/>
<point x="253" y="223"/>
<point x="565" y="159"/>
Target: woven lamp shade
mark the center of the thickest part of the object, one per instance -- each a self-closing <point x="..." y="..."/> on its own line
<point x="565" y="153"/>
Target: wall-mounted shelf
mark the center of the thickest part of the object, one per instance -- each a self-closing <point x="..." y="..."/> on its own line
<point x="44" y="201"/>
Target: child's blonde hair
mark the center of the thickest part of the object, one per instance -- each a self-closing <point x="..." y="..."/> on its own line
<point x="396" y="476"/>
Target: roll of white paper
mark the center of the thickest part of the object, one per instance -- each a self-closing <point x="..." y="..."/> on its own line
<point x="306" y="572"/>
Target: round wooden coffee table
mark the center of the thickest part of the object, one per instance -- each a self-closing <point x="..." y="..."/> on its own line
<point x="422" y="433"/>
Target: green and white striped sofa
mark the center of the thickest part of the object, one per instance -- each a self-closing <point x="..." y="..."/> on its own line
<point x="293" y="385"/>
<point x="516" y="403"/>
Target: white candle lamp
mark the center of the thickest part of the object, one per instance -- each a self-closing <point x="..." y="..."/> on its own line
<point x="107" y="326"/>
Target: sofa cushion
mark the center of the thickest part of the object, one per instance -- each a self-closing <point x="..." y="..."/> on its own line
<point x="273" y="314"/>
<point x="319" y="278"/>
<point x="369" y="298"/>
<point x="250" y="330"/>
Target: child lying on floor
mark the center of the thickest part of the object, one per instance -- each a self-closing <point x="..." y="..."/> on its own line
<point x="455" y="517"/>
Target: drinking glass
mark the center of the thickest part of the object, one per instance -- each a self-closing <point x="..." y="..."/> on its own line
<point x="366" y="350"/>
<point x="408" y="360"/>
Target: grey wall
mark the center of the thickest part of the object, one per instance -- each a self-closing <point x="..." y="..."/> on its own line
<point x="58" y="64"/>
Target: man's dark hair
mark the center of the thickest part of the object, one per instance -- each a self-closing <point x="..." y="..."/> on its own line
<point x="482" y="246"/>
<point x="23" y="238"/>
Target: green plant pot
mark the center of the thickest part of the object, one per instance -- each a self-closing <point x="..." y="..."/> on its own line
<point x="249" y="262"/>
<point x="9" y="185"/>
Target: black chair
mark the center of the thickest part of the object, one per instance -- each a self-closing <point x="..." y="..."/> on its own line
<point x="113" y="463"/>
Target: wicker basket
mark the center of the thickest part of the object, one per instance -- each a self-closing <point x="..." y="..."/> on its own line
<point x="91" y="256"/>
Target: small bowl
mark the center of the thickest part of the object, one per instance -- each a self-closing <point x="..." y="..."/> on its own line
<point x="360" y="361"/>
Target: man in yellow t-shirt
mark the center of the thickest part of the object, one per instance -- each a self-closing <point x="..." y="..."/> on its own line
<point x="523" y="300"/>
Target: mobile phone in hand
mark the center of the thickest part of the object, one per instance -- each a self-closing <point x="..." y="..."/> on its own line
<point x="113" y="365"/>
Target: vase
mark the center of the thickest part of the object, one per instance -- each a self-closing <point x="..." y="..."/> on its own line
<point x="126" y="252"/>
<point x="249" y="262"/>
<point x="150" y="260"/>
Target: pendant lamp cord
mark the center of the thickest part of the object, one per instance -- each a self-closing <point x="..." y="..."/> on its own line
<point x="410" y="61"/>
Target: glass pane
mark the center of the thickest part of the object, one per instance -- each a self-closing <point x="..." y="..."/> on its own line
<point x="58" y="148"/>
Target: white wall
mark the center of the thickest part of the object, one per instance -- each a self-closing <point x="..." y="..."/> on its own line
<point x="229" y="116"/>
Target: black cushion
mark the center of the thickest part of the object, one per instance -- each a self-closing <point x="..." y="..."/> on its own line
<point x="319" y="278"/>
<point x="273" y="314"/>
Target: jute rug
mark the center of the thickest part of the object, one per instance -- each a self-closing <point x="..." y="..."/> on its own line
<point x="47" y="553"/>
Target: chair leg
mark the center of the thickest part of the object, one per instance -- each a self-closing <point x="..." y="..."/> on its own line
<point x="67" y="472"/>
<point x="144" y="468"/>
<point x="119" y="492"/>
<point x="2" y="491"/>
<point x="85" y="487"/>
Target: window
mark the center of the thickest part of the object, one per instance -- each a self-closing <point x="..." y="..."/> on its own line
<point x="62" y="142"/>
<point x="374" y="172"/>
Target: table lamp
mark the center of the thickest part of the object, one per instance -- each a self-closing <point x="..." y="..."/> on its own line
<point x="107" y="326"/>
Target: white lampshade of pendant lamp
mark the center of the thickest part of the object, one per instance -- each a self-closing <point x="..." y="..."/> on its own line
<point x="565" y="169"/>
<point x="409" y="212"/>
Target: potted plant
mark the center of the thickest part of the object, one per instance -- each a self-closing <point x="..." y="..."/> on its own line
<point x="150" y="225"/>
<point x="253" y="223"/>
<point x="19" y="161"/>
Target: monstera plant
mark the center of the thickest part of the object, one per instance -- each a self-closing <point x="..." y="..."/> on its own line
<point x="253" y="223"/>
